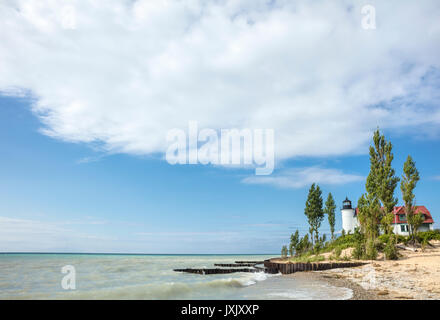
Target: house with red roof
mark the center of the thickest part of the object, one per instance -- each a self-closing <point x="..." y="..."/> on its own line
<point x="400" y="225"/>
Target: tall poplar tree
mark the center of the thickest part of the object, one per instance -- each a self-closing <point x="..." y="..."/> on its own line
<point x="308" y="210"/>
<point x="382" y="179"/>
<point x="410" y="178"/>
<point x="380" y="186"/>
<point x="330" y="207"/>
<point x="314" y="211"/>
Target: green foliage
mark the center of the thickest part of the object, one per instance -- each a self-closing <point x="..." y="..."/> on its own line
<point x="294" y="241"/>
<point x="343" y="242"/>
<point x="382" y="180"/>
<point x="308" y="257"/>
<point x="410" y="178"/>
<point x="380" y="186"/>
<point x="284" y="252"/>
<point x="320" y="244"/>
<point x="428" y="236"/>
<point x="370" y="250"/>
<point x="304" y="245"/>
<point x="390" y="250"/>
<point x="359" y="251"/>
<point x="384" y="238"/>
<point x="386" y="222"/>
<point x="414" y="221"/>
<point x="336" y="254"/>
<point x="329" y="209"/>
<point x="424" y="244"/>
<point x="314" y="211"/>
<point x="369" y="213"/>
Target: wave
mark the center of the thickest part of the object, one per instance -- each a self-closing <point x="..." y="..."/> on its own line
<point x="168" y="290"/>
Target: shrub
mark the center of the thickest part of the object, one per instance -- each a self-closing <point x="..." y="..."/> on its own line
<point x="310" y="258"/>
<point x="284" y="252"/>
<point x="345" y="258"/>
<point x="359" y="251"/>
<point x="384" y="238"/>
<point x="343" y="242"/>
<point x="390" y="250"/>
<point x="336" y="255"/>
<point x="428" y="236"/>
<point x="370" y="250"/>
<point x="338" y="251"/>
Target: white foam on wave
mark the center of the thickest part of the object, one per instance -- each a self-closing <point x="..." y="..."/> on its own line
<point x="253" y="278"/>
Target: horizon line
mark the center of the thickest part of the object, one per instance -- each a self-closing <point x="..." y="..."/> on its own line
<point x="122" y="253"/>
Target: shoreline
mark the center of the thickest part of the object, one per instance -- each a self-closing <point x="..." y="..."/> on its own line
<point x="358" y="293"/>
<point x="414" y="276"/>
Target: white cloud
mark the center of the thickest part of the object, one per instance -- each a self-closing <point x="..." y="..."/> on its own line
<point x="298" y="178"/>
<point x="129" y="71"/>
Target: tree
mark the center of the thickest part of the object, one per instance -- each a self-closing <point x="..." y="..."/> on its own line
<point x="294" y="241"/>
<point x="382" y="180"/>
<point x="359" y="248"/>
<point x="330" y="207"/>
<point x="304" y="245"/>
<point x="415" y="221"/>
<point x="390" y="250"/>
<point x="314" y="211"/>
<point x="410" y="178"/>
<point x="380" y="186"/>
<point x="386" y="221"/>
<point x="284" y="252"/>
<point x="308" y="211"/>
<point x="368" y="215"/>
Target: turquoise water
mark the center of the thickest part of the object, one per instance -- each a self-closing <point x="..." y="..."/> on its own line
<point x="107" y="276"/>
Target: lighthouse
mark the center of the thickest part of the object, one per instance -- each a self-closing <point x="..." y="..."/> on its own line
<point x="349" y="218"/>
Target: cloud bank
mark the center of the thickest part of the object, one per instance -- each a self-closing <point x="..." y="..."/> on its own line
<point x="118" y="75"/>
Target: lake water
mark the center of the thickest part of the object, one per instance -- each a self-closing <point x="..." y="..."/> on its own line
<point x="111" y="276"/>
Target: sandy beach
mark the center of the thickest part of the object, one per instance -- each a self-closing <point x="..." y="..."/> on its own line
<point x="416" y="275"/>
<point x="359" y="293"/>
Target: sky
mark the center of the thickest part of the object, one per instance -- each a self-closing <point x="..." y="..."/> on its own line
<point x="88" y="93"/>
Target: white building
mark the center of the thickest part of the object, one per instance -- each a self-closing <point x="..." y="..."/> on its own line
<point x="400" y="225"/>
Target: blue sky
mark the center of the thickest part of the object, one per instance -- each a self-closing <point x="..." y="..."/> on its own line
<point x="88" y="95"/>
<point x="123" y="203"/>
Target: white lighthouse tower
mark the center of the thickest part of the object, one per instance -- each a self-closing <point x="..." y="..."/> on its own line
<point x="349" y="218"/>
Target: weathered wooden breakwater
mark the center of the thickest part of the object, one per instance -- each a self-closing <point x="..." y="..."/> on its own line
<point x="217" y="270"/>
<point x="271" y="267"/>
<point x="292" y="267"/>
<point x="231" y="265"/>
<point x="238" y="266"/>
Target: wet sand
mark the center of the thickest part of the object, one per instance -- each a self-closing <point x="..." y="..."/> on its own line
<point x="359" y="293"/>
<point x="415" y="276"/>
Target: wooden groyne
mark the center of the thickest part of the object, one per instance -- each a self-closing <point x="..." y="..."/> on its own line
<point x="270" y="267"/>
<point x="217" y="270"/>
<point x="238" y="266"/>
<point x="292" y="267"/>
<point x="231" y="265"/>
